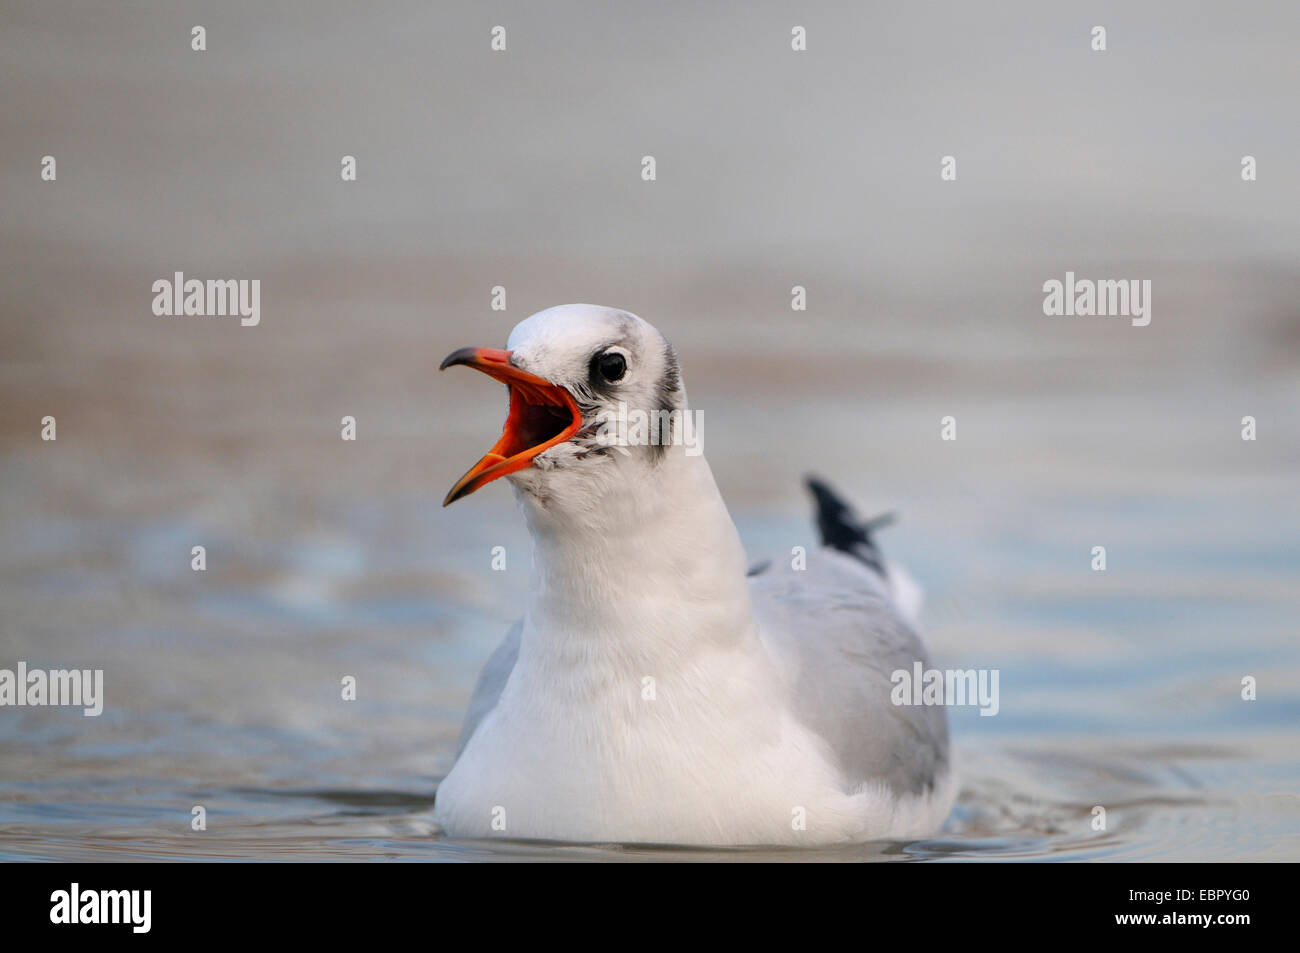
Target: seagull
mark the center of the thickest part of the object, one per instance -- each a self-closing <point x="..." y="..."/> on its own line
<point x="657" y="691"/>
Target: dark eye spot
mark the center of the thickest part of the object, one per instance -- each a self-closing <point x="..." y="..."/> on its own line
<point x="611" y="366"/>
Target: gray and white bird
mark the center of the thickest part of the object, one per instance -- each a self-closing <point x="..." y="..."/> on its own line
<point x="654" y="692"/>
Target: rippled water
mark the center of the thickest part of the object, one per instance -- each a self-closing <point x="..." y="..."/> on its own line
<point x="223" y="687"/>
<point x="326" y="559"/>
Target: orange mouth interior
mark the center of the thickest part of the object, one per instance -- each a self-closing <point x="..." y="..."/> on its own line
<point x="541" y="415"/>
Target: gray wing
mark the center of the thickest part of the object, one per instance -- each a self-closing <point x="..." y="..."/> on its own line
<point x="842" y="627"/>
<point x="836" y="629"/>
<point x="490" y="683"/>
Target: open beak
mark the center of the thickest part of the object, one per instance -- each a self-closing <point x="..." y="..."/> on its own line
<point x="541" y="415"/>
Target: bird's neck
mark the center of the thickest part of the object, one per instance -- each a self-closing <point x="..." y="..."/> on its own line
<point x="650" y="568"/>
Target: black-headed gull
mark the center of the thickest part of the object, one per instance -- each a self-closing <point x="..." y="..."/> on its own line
<point x="654" y="692"/>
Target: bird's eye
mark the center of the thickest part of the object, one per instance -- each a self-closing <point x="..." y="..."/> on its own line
<point x="611" y="365"/>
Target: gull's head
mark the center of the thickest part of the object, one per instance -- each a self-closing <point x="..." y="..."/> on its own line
<point x="573" y="372"/>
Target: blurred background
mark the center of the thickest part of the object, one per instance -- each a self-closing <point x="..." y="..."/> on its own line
<point x="523" y="169"/>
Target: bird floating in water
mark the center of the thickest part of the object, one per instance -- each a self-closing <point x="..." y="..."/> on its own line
<point x="654" y="690"/>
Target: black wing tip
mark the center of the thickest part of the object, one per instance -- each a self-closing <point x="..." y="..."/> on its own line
<point x="841" y="528"/>
<point x="826" y="497"/>
<point x="819" y="485"/>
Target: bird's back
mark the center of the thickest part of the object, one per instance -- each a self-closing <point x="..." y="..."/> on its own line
<point x="842" y="624"/>
<point x="835" y="628"/>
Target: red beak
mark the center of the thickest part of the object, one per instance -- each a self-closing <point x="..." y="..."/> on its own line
<point x="541" y="415"/>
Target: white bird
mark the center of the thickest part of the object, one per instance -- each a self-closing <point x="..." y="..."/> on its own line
<point x="654" y="692"/>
